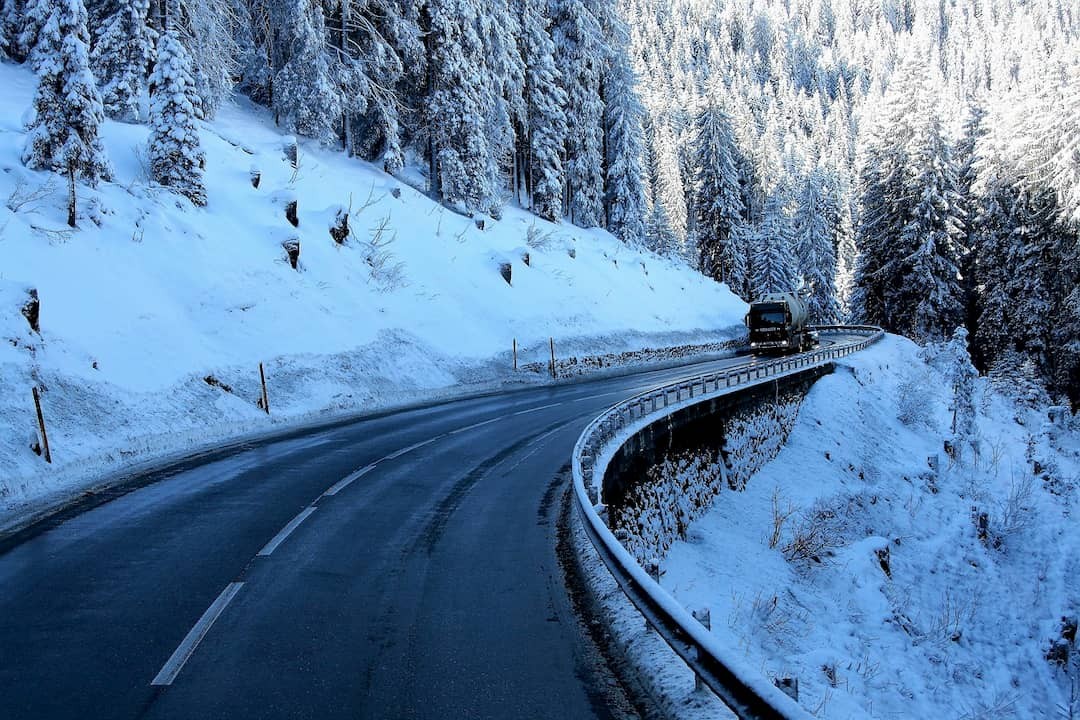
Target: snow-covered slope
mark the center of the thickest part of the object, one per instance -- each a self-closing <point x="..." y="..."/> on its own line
<point x="151" y="296"/>
<point x="893" y="606"/>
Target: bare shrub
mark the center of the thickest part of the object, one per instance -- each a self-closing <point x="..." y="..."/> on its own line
<point x="386" y="273"/>
<point x="865" y="667"/>
<point x="538" y="239"/>
<point x="370" y="200"/>
<point x="25" y="198"/>
<point x="916" y="399"/>
<point x="819" y="531"/>
<point x="808" y="543"/>
<point x="999" y="707"/>
<point x="780" y="516"/>
<point x="53" y="235"/>
<point x="952" y="616"/>
<point x="766" y="613"/>
<point x="998" y="446"/>
<point x="1014" y="512"/>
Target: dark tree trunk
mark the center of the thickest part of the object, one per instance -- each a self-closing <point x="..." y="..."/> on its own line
<point x="72" y="214"/>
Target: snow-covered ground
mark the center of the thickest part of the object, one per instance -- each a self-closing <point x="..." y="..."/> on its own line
<point x="956" y="626"/>
<point x="155" y="315"/>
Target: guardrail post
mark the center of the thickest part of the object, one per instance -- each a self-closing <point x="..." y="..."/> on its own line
<point x="703" y="616"/>
<point x="653" y="568"/>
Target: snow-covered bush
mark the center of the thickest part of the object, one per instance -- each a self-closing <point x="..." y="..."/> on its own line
<point x="915" y="399"/>
<point x="682" y="487"/>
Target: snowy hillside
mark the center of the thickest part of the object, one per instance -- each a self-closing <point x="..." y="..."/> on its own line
<point x="153" y="306"/>
<point x="885" y="595"/>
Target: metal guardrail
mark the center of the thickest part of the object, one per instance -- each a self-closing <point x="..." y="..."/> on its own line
<point x="750" y="697"/>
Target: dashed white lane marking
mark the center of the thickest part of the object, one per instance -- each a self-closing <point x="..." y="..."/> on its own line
<point x="402" y="451"/>
<point x="467" y="428"/>
<point x="348" y="479"/>
<point x="182" y="653"/>
<point x="537" y="409"/>
<point x="285" y="532"/>
<point x="613" y="392"/>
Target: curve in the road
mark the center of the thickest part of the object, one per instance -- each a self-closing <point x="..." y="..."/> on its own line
<point x="400" y="566"/>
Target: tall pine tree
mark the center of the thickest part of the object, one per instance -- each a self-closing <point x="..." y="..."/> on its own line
<point x="461" y="155"/>
<point x="817" y="218"/>
<point x="624" y="143"/>
<point x="719" y="212"/>
<point x="306" y="98"/>
<point x="122" y="58"/>
<point x="63" y="136"/>
<point x="929" y="301"/>
<point x="176" y="157"/>
<point x="545" y="125"/>
<point x="580" y="56"/>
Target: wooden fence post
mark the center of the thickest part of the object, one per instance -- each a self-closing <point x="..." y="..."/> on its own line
<point x="41" y="426"/>
<point x="265" y="397"/>
<point x="552" y="342"/>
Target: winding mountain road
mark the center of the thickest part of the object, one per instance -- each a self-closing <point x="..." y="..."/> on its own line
<point x="400" y="566"/>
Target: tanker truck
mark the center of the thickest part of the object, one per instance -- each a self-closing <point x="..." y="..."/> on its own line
<point x="778" y="323"/>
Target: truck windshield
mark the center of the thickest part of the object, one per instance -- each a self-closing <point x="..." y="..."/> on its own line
<point x="768" y="316"/>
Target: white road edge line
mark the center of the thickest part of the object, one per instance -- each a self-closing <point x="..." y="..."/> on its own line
<point x="285" y="532"/>
<point x="348" y="479"/>
<point x="182" y="653"/>
<point x="537" y="409"/>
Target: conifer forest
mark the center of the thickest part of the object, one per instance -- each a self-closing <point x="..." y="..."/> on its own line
<point x="913" y="164"/>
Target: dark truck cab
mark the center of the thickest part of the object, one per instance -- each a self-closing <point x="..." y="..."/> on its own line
<point x="778" y="323"/>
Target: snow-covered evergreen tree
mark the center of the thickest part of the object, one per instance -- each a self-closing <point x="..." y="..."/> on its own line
<point x="175" y="152"/>
<point x="306" y="99"/>
<point x="817" y="217"/>
<point x="659" y="237"/>
<point x="545" y="128"/>
<point x="929" y="299"/>
<point x="965" y="158"/>
<point x="10" y="23"/>
<point x="955" y="363"/>
<point x="28" y="25"/>
<point x="63" y="136"/>
<point x="667" y="183"/>
<point x="719" y="212"/>
<point x="624" y="142"/>
<point x="504" y="71"/>
<point x="580" y="58"/>
<point x="122" y="58"/>
<point x="382" y="46"/>
<point x="885" y="211"/>
<point x="208" y="30"/>
<point x="456" y="107"/>
<point x="992" y="248"/>
<point x="774" y="259"/>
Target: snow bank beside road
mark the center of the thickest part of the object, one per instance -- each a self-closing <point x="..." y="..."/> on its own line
<point x="900" y="610"/>
<point x="155" y="314"/>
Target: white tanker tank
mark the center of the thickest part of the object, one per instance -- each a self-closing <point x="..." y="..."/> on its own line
<point x="779" y="322"/>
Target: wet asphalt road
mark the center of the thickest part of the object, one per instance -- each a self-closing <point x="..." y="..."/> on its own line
<point x="396" y="567"/>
